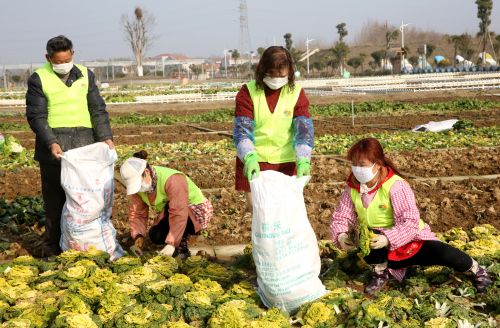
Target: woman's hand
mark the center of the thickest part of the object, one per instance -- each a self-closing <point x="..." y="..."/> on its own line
<point x="303" y="167"/>
<point x="167" y="250"/>
<point x="251" y="161"/>
<point x="345" y="242"/>
<point x="379" y="242"/>
<point x="139" y="241"/>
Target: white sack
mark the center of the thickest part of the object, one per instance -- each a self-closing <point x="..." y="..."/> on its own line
<point x="284" y="245"/>
<point x="87" y="177"/>
<point x="435" y="126"/>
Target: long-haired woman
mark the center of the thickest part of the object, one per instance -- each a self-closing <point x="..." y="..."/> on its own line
<point x="272" y="125"/>
<point x="378" y="193"/>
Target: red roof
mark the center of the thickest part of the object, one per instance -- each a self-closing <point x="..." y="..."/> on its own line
<point x="209" y="66"/>
<point x="173" y="56"/>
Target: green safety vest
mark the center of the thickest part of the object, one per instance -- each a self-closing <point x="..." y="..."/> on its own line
<point x="273" y="132"/>
<point x="379" y="213"/>
<point x="162" y="173"/>
<point x="67" y="106"/>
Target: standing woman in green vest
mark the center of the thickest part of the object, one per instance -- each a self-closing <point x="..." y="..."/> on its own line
<point x="65" y="111"/>
<point x="381" y="197"/>
<point x="183" y="210"/>
<point x="272" y="125"/>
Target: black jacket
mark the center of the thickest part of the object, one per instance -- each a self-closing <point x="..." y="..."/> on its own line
<point x="67" y="138"/>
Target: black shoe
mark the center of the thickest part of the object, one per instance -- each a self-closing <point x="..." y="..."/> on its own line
<point x="182" y="250"/>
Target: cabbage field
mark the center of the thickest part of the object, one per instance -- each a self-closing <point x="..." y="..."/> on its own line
<point x="82" y="289"/>
<point x="455" y="176"/>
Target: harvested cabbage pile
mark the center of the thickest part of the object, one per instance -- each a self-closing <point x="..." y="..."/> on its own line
<point x="83" y="289"/>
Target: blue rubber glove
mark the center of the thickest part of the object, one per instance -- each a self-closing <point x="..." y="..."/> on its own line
<point x="303" y="167"/>
<point x="251" y="161"/>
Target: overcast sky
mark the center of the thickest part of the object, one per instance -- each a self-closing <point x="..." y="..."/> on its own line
<point x="202" y="28"/>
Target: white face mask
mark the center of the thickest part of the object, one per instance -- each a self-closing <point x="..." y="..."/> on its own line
<point x="364" y="174"/>
<point x="145" y="186"/>
<point x="62" y="69"/>
<point x="275" y="82"/>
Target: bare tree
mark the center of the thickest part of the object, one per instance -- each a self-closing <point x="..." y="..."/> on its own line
<point x="139" y="32"/>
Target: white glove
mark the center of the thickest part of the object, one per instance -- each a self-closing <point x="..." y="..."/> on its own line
<point x="379" y="242"/>
<point x="167" y="250"/>
<point x="346" y="242"/>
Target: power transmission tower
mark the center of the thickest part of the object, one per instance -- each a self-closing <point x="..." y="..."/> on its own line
<point x="245" y="45"/>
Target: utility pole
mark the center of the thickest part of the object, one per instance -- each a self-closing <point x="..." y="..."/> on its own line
<point x="307" y="45"/>
<point x="385" y="30"/>
<point x="225" y="61"/>
<point x="4" y="78"/>
<point x="403" y="41"/>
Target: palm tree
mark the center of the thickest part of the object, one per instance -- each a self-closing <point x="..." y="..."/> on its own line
<point x="235" y="56"/>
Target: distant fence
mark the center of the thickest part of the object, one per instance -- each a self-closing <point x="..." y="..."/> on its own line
<point x="430" y="82"/>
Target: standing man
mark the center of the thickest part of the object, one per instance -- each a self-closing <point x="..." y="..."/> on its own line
<point x="65" y="111"/>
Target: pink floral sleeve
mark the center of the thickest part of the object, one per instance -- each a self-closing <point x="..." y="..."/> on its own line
<point x="244" y="147"/>
<point x="344" y="213"/>
<point x="303" y="151"/>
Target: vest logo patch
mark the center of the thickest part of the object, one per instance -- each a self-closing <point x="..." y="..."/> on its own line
<point x="287" y="113"/>
<point x="165" y="200"/>
<point x="382" y="207"/>
<point x="84" y="85"/>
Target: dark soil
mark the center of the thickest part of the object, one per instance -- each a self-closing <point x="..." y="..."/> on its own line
<point x="439" y="163"/>
<point x="481" y="119"/>
<point x="442" y="204"/>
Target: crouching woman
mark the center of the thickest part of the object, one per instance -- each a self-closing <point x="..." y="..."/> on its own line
<point x="184" y="211"/>
<point x="379" y="195"/>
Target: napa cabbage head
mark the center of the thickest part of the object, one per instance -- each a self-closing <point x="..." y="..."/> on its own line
<point x="76" y="272"/>
<point x="128" y="289"/>
<point x="19" y="272"/>
<point x="198" y="298"/>
<point x="439" y="323"/>
<point x="17" y="323"/>
<point x="139" y="276"/>
<point x="73" y="304"/>
<point x="139" y="316"/>
<point x="80" y="321"/>
<point x="318" y="312"/>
